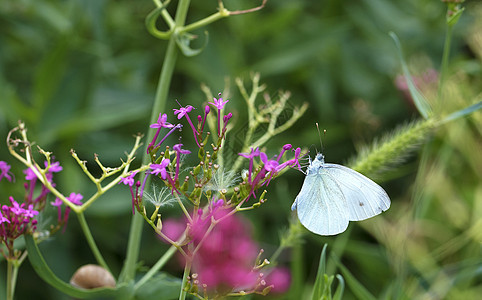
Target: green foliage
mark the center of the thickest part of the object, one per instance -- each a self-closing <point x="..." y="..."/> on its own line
<point x="83" y="74"/>
<point x="322" y="287"/>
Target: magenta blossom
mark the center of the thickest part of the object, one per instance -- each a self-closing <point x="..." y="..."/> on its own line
<point x="225" y="256"/>
<point x="54" y="167"/>
<point x="250" y="156"/>
<point x="160" y="168"/>
<point x="75" y="198"/>
<point x="162" y="122"/>
<point x="29" y="174"/>
<point x="128" y="180"/>
<point x="5" y="171"/>
<point x="280" y="279"/>
<point x="15" y="220"/>
<point x="219" y="103"/>
<point x="183" y="111"/>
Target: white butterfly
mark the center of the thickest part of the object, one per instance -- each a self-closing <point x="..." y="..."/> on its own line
<point x="332" y="195"/>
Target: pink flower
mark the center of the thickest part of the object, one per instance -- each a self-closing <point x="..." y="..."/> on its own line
<point x="162" y="122"/>
<point x="160" y="168"/>
<point x="54" y="167"/>
<point x="280" y="279"/>
<point x="5" y="171"/>
<point x="226" y="257"/>
<point x="29" y="174"/>
<point x="219" y="103"/>
<point x="183" y="111"/>
<point x="128" y="180"/>
<point x="75" y="198"/>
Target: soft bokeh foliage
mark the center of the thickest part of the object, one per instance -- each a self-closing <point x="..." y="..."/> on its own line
<point x="82" y="74"/>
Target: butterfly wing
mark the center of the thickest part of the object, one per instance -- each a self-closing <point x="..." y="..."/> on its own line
<point x="364" y="197"/>
<point x="320" y="205"/>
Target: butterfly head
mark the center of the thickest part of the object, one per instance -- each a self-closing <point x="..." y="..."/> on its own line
<point x="320" y="157"/>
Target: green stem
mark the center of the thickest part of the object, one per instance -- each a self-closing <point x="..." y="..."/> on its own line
<point x="159" y="264"/>
<point x="187" y="270"/>
<point x="167" y="70"/>
<point x="91" y="242"/>
<point x="11" y="279"/>
<point x="445" y="63"/>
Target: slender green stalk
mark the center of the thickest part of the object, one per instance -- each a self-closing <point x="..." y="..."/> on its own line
<point x="10" y="279"/>
<point x="297" y="271"/>
<point x="159" y="264"/>
<point x="445" y="63"/>
<point x="167" y="70"/>
<point x="91" y="242"/>
<point x="187" y="270"/>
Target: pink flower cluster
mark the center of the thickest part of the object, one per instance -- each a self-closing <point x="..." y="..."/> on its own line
<point x="18" y="219"/>
<point x="224" y="256"/>
<point x="271" y="167"/>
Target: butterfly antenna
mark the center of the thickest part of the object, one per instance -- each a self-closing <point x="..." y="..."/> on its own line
<point x="319" y="135"/>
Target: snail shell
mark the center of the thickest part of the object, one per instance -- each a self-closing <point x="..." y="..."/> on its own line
<point x="92" y="276"/>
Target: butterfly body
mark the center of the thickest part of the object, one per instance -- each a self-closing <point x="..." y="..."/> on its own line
<point x="332" y="195"/>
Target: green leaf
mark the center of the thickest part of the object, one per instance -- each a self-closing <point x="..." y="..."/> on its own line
<point x="419" y="100"/>
<point x="183" y="41"/>
<point x="320" y="280"/>
<point x="151" y="20"/>
<point x="463" y="112"/>
<point x="340" y="289"/>
<point x="43" y="270"/>
<point x="356" y="287"/>
<point x="161" y="286"/>
<point x="454" y="18"/>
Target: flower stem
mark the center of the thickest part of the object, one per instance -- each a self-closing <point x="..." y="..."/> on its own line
<point x="445" y="63"/>
<point x="187" y="270"/>
<point x="91" y="242"/>
<point x="159" y="264"/>
<point x="11" y="279"/>
<point x="167" y="70"/>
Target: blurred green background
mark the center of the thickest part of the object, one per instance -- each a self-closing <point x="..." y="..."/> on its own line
<point x="82" y="74"/>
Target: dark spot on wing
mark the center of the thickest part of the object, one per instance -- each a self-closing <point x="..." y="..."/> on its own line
<point x="361" y="203"/>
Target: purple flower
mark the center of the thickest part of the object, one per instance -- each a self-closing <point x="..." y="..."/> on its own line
<point x="161" y="122"/>
<point x="57" y="202"/>
<point x="225" y="256"/>
<point x="219" y="103"/>
<point x="3" y="219"/>
<point x="128" y="180"/>
<point x="30" y="212"/>
<point x="177" y="147"/>
<point x="183" y="111"/>
<point x="160" y="168"/>
<point x="5" y="171"/>
<point x="54" y="167"/>
<point x="179" y="151"/>
<point x="292" y="162"/>
<point x="269" y="165"/>
<point x="250" y="156"/>
<point x="280" y="279"/>
<point x="29" y="174"/>
<point x="75" y="198"/>
<point x="16" y="209"/>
